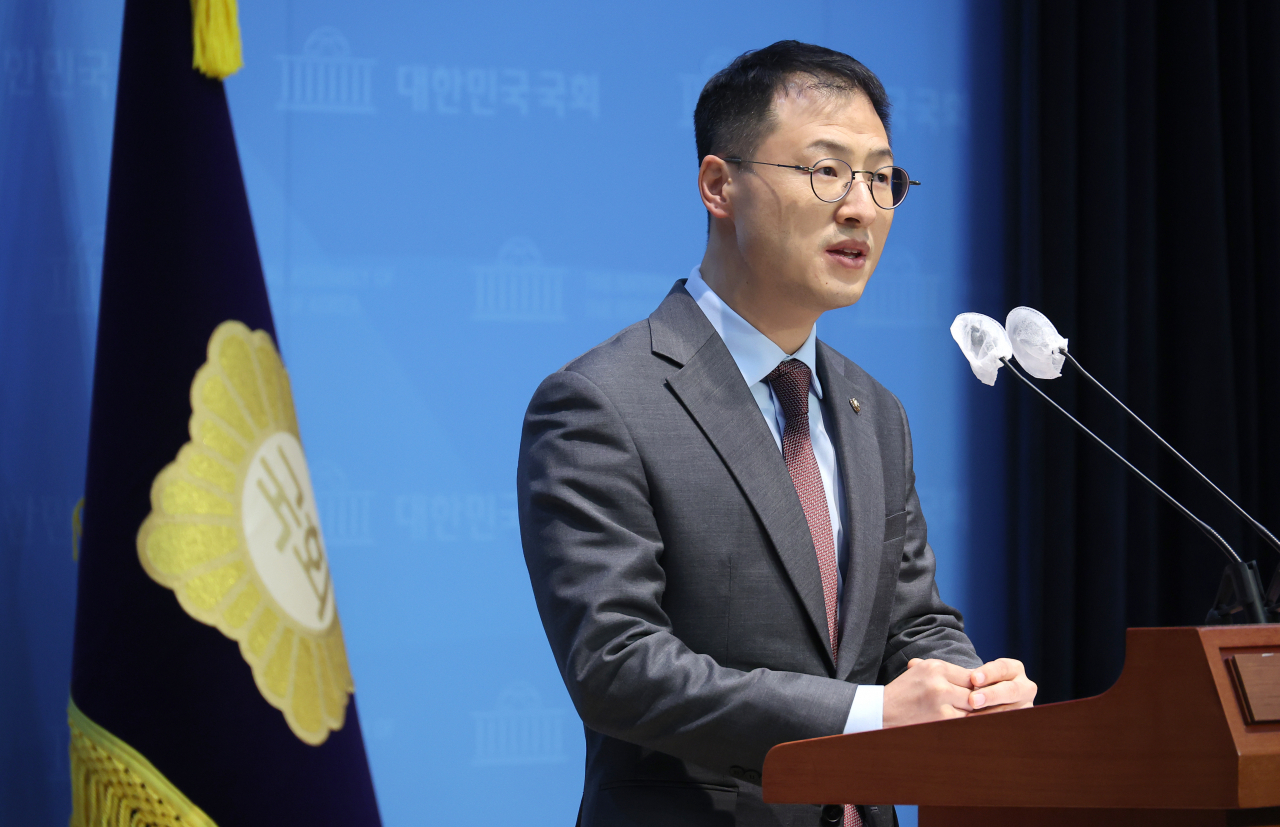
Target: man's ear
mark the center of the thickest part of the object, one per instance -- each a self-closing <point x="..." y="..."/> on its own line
<point x="715" y="185"/>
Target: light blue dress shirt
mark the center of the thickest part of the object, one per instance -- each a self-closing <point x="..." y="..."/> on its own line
<point x="756" y="356"/>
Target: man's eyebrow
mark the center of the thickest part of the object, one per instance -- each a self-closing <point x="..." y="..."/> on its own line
<point x="837" y="149"/>
<point x="828" y="145"/>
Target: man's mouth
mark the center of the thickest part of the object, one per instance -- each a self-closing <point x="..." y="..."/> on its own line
<point x="850" y="253"/>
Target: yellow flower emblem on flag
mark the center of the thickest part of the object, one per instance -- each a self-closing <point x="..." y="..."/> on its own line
<point x="235" y="533"/>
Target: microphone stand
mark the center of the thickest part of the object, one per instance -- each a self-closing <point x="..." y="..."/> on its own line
<point x="1273" y="592"/>
<point x="1257" y="526"/>
<point x="1240" y="581"/>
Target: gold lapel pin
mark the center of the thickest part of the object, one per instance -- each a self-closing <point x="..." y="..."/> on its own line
<point x="857" y="406"/>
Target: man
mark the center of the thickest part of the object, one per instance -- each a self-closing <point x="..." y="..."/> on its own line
<point x="718" y="511"/>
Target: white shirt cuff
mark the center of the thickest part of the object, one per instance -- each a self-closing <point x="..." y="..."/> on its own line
<point x="867" y="710"/>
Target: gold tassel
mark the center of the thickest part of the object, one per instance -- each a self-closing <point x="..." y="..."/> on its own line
<point x="114" y="786"/>
<point x="215" y="30"/>
<point x="77" y="528"/>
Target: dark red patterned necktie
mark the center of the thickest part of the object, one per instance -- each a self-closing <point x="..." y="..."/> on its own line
<point x="790" y="382"/>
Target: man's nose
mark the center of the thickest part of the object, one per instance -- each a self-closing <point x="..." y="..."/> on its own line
<point x="857" y="207"/>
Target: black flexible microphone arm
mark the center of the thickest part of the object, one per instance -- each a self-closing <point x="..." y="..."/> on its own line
<point x="1257" y="526"/>
<point x="1201" y="524"/>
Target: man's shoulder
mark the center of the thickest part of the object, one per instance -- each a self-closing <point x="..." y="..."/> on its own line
<point x="647" y="350"/>
<point x="622" y="369"/>
<point x="622" y="355"/>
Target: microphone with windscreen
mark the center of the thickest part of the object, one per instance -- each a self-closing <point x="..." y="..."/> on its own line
<point x="984" y="344"/>
<point x="1036" y="343"/>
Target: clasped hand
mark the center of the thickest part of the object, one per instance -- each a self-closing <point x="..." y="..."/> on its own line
<point x="934" y="690"/>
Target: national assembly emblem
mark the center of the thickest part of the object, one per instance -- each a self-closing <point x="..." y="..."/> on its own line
<point x="235" y="533"/>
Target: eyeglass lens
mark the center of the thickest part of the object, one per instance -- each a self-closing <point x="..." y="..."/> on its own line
<point x="832" y="178"/>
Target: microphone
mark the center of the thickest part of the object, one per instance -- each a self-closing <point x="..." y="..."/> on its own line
<point x="983" y="340"/>
<point x="1036" y="343"/>
<point x="984" y="344"/>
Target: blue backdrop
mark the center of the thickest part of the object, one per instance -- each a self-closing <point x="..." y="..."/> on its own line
<point x="451" y="201"/>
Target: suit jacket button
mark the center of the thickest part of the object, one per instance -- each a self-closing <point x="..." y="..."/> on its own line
<point x="832" y="813"/>
<point x="737" y="772"/>
<point x="753" y="776"/>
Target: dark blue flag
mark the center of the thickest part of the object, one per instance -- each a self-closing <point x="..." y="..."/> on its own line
<point x="210" y="682"/>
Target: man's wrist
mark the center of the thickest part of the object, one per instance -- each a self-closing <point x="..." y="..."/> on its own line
<point x="867" y="710"/>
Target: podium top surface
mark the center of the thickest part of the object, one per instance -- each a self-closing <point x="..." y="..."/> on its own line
<point x="1185" y="726"/>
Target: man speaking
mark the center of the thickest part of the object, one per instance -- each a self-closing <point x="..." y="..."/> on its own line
<point x="718" y="511"/>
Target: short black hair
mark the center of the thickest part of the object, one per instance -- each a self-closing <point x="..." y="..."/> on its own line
<point x="735" y="109"/>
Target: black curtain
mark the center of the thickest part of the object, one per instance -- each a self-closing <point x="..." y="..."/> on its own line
<point x="1143" y="193"/>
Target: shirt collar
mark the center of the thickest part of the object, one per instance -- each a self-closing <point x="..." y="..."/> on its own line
<point x="755" y="354"/>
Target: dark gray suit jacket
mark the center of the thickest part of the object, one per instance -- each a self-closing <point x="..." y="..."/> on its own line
<point x="677" y="579"/>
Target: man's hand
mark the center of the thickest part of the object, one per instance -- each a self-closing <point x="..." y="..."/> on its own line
<point x="934" y="690"/>
<point x="999" y="685"/>
<point x="930" y="690"/>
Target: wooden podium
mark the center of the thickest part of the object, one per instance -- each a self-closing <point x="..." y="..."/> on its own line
<point x="1189" y="735"/>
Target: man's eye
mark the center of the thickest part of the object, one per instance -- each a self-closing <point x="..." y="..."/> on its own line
<point x="881" y="178"/>
<point x="827" y="171"/>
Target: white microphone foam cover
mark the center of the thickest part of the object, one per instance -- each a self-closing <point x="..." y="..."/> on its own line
<point x="983" y="342"/>
<point x="1036" y="342"/>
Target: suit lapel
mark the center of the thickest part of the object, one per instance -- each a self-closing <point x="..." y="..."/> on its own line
<point x="858" y="450"/>
<point x="710" y="387"/>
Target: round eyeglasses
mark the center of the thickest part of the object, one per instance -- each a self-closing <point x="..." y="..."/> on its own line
<point x="832" y="179"/>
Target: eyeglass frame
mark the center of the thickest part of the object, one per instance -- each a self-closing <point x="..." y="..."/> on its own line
<point x="811" y="170"/>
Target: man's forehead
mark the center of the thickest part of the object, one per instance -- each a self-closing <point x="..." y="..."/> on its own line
<point x="842" y="123"/>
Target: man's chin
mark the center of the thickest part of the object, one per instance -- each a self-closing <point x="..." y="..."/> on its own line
<point x="844" y="293"/>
